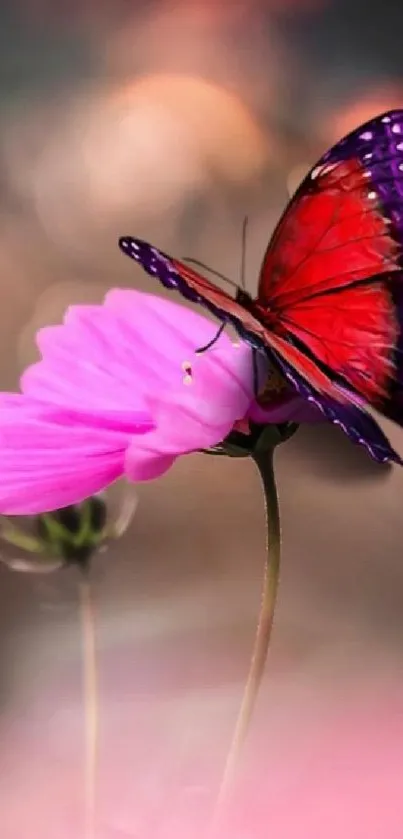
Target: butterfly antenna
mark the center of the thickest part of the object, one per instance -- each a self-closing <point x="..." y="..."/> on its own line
<point x="243" y="255"/>
<point x="211" y="270"/>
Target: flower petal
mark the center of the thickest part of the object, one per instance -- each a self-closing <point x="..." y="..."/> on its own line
<point x="198" y="416"/>
<point x="173" y="333"/>
<point x="177" y="432"/>
<point x="110" y="362"/>
<point x="81" y="373"/>
<point x="120" y="386"/>
<point x="137" y="423"/>
<point x="146" y="462"/>
<point x="123" y="363"/>
<point x="169" y="327"/>
<point x="47" y="465"/>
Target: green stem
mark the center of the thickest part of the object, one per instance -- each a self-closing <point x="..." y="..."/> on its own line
<point x="19" y="539"/>
<point x="264" y="463"/>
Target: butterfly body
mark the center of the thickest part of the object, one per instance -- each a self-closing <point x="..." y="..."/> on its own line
<point x="329" y="307"/>
<point x="263" y="314"/>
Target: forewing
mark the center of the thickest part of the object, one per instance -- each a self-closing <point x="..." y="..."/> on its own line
<point x="332" y="275"/>
<point x="174" y="274"/>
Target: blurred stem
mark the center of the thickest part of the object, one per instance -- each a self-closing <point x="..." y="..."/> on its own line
<point x="19" y="539"/>
<point x="90" y="701"/>
<point x="264" y="463"/>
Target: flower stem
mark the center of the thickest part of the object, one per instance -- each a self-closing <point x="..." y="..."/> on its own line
<point x="90" y="701"/>
<point x="264" y="463"/>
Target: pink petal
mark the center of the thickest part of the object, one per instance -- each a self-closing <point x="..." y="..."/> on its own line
<point x="127" y="358"/>
<point x="167" y="326"/>
<point x="187" y="424"/>
<point x="138" y="423"/>
<point x="146" y="462"/>
<point x="79" y="370"/>
<point x="21" y="432"/>
<point x="58" y="488"/>
<point x="196" y="416"/>
<point x="112" y="392"/>
<point x="108" y="362"/>
<point x="46" y="466"/>
<point x="172" y="333"/>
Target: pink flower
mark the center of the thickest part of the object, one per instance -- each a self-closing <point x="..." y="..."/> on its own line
<point x="120" y="392"/>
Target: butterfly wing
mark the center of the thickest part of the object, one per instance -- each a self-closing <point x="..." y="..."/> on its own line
<point x="330" y="292"/>
<point x="331" y="282"/>
<point x="174" y="274"/>
<point x="353" y="419"/>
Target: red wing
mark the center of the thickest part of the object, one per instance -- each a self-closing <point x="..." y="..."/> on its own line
<point x="332" y="275"/>
<point x="353" y="333"/>
<point x="176" y="275"/>
<point x="272" y="339"/>
<point x="307" y="368"/>
<point x="333" y="233"/>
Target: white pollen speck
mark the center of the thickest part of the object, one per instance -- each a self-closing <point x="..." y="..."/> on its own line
<point x="372" y="196"/>
<point x="368" y="155"/>
<point x="187" y="369"/>
<point x="401" y="167"/>
<point x="399" y="147"/>
<point x="396" y="128"/>
<point x="366" y="135"/>
<point x="385" y="119"/>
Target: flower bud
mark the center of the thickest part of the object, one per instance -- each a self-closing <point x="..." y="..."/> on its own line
<point x="73" y="533"/>
<point x="69" y="536"/>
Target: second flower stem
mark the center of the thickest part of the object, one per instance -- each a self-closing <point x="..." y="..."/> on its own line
<point x="91" y="703"/>
<point x="264" y="463"/>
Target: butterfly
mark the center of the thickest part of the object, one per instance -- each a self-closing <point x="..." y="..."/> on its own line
<point x="329" y="308"/>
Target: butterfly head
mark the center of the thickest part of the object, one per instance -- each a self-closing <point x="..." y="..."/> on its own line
<point x="259" y="312"/>
<point x="244" y="299"/>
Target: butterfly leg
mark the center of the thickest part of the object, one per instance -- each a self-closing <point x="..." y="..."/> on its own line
<point x="255" y="373"/>
<point x="213" y="341"/>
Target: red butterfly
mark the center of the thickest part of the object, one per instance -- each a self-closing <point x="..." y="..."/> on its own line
<point x="329" y="309"/>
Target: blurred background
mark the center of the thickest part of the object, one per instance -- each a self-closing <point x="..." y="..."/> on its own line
<point x="171" y="120"/>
